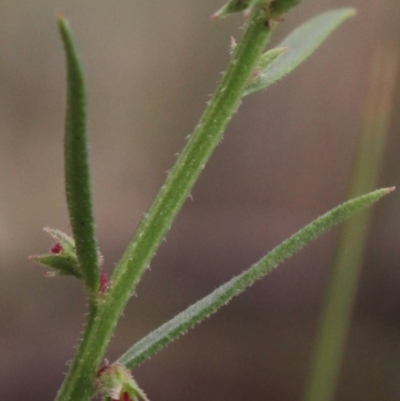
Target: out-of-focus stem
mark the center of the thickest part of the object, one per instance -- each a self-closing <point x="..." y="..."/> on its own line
<point x="336" y="315"/>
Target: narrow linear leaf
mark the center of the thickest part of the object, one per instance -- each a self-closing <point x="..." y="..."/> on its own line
<point x="301" y="43"/>
<point x="187" y="319"/>
<point x="76" y="154"/>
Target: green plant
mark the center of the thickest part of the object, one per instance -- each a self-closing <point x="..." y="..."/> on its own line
<point x="249" y="71"/>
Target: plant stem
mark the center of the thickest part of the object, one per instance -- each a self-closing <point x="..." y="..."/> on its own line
<point x="344" y="277"/>
<point x="78" y="385"/>
<point x="157" y="221"/>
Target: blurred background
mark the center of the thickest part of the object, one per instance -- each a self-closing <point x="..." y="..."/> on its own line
<point x="285" y="159"/>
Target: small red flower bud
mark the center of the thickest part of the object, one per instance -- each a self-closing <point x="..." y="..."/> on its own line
<point x="56" y="249"/>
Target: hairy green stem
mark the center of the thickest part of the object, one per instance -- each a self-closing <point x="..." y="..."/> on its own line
<point x="192" y="160"/>
<point x="78" y="385"/>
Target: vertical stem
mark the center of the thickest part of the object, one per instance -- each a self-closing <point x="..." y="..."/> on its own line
<point x="192" y="160"/>
<point x="78" y="385"/>
<point x="336" y="315"/>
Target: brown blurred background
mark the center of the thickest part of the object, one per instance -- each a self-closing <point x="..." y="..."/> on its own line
<point x="285" y="159"/>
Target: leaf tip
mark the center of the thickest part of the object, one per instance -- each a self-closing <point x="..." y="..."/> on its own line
<point x="59" y="15"/>
<point x="213" y="17"/>
<point x="352" y="11"/>
<point x="390" y="189"/>
<point x="346" y="11"/>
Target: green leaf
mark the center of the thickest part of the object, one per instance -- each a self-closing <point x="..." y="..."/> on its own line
<point x="77" y="175"/>
<point x="279" y="7"/>
<point x="264" y="61"/>
<point x="233" y="6"/>
<point x="273" y="9"/>
<point x="301" y="43"/>
<point x="62" y="257"/>
<point x="205" y="307"/>
<point x="113" y="381"/>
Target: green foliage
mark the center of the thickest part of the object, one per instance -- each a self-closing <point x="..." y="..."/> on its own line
<point x="202" y="309"/>
<point x="248" y="71"/>
<point x="279" y="7"/>
<point x="62" y="258"/>
<point x="256" y="80"/>
<point x="76" y="155"/>
<point x="115" y="382"/>
<point x="272" y="9"/>
<point x="232" y="7"/>
<point x="300" y="44"/>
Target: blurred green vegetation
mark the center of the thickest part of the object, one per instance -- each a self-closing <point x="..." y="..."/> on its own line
<point x="284" y="160"/>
